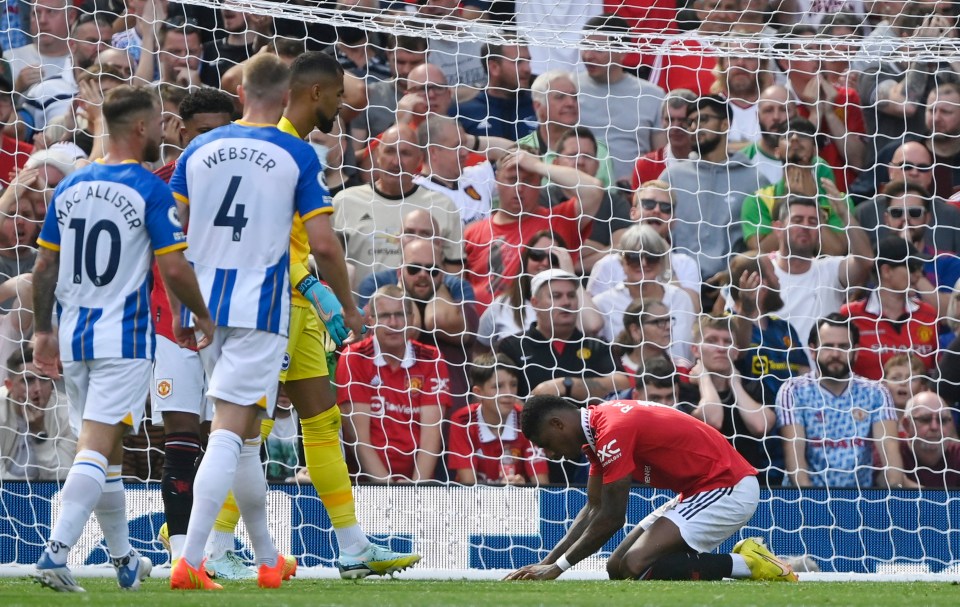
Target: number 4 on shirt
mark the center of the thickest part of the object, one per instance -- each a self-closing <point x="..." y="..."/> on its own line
<point x="237" y="221"/>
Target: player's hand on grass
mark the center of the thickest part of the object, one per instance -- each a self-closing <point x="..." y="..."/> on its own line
<point x="535" y="572"/>
<point x="46" y="353"/>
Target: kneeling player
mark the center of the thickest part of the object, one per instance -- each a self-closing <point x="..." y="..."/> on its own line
<point x="662" y="447"/>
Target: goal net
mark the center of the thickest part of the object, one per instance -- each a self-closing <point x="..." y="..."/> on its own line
<point x="744" y="211"/>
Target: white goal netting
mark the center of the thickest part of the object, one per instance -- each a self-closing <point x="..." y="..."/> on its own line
<point x="657" y="200"/>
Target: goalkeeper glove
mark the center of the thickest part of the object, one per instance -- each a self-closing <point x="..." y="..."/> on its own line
<point x="328" y="307"/>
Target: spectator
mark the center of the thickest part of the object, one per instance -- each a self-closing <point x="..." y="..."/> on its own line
<point x="37" y="442"/>
<point x="393" y="391"/>
<point x="835" y="110"/>
<point x="181" y="52"/>
<point x="13" y="150"/>
<point x="677" y="144"/>
<point x="503" y="107"/>
<point x="889" y="320"/>
<point x="512" y="313"/>
<point x="458" y="57"/>
<point x="742" y="73"/>
<point x="546" y="22"/>
<point x="804" y="174"/>
<point x="659" y="383"/>
<point x="553" y="347"/>
<point x="832" y="420"/>
<point x="930" y="449"/>
<point x="472" y="188"/>
<point x="709" y="190"/>
<point x="653" y="206"/>
<point x="723" y="400"/>
<point x="379" y="104"/>
<point x="369" y="216"/>
<point x="618" y="107"/>
<point x="53" y="97"/>
<point x="245" y="33"/>
<point x="48" y="54"/>
<point x="905" y="376"/>
<point x="493" y="245"/>
<point x="428" y="83"/>
<point x="147" y="17"/>
<point x="442" y="321"/>
<point x="644" y="260"/>
<point x="912" y="163"/>
<point x="770" y="349"/>
<point x="578" y="149"/>
<point x="646" y="336"/>
<point x="486" y="444"/>
<point x="556" y="110"/>
<point x="813" y="286"/>
<point x="774" y="109"/>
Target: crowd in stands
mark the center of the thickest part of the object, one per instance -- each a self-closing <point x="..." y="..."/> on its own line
<point x="747" y="210"/>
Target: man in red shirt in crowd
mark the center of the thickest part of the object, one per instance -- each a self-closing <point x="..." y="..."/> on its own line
<point x="394" y="391"/>
<point x="635" y="441"/>
<point x="485" y="443"/>
<point x="890" y="321"/>
<point x="679" y="142"/>
<point x="493" y="245"/>
<point x="13" y="152"/>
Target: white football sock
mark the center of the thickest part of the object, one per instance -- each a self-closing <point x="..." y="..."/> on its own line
<point x="250" y="492"/>
<point x="210" y="487"/>
<point x="111" y="513"/>
<point x="219" y="543"/>
<point x="352" y="540"/>
<point x="740" y="569"/>
<point x="80" y="494"/>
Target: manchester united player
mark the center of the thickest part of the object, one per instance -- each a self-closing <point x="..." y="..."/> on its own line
<point x="635" y="441"/>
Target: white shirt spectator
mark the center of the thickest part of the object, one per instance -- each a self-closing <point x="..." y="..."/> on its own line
<point x="612" y="305"/>
<point x="608" y="273"/>
<point x="476" y="189"/>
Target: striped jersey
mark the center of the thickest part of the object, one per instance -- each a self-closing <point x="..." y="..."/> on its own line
<point x="107" y="222"/>
<point x="243" y="183"/>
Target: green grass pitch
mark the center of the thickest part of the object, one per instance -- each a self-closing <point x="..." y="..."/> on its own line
<point x="102" y="592"/>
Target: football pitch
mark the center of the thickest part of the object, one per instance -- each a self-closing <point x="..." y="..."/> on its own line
<point x="15" y="592"/>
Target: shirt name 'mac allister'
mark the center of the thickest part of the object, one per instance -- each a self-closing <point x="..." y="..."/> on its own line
<point x="105" y="192"/>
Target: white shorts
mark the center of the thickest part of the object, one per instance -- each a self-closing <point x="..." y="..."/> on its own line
<point x="178" y="382"/>
<point x="242" y="366"/>
<point x="707" y="519"/>
<point x="109" y="390"/>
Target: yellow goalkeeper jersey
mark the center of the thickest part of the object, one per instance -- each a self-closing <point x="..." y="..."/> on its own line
<point x="299" y="243"/>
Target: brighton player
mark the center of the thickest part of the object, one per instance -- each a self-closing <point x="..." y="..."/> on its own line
<point x="636" y="441"/>
<point x="316" y="91"/>
<point x="245" y="182"/>
<point x="106" y="223"/>
<point x="177" y="392"/>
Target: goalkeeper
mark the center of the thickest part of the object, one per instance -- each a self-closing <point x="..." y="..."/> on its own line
<point x="316" y="90"/>
<point x="635" y="441"/>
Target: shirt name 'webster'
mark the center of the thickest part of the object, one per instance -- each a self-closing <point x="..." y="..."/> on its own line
<point x="257" y="157"/>
<point x="103" y="192"/>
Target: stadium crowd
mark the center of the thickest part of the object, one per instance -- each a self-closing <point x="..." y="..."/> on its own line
<point x="755" y="221"/>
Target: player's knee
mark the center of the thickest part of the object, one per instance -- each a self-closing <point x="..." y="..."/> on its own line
<point x="633" y="565"/>
<point x="613" y="568"/>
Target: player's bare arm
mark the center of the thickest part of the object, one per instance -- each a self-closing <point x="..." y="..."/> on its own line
<point x="47" y="350"/>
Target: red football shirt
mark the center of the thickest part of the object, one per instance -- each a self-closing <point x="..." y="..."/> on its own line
<point x="396" y="396"/>
<point x="473" y="446"/>
<point x="661" y="447"/>
<point x="159" y="303"/>
<point x="685" y="64"/>
<point x="493" y="250"/>
<point x="882" y="338"/>
<point x="13" y="155"/>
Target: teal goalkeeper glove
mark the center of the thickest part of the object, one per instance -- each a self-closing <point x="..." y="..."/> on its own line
<point x="328" y="307"/>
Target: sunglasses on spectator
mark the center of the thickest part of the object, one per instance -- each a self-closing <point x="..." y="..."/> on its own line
<point x="539" y="256"/>
<point x="912" y="212"/>
<point x="922" y="168"/>
<point x="635" y="259"/>
<point x="650" y="204"/>
<point x="414" y="269"/>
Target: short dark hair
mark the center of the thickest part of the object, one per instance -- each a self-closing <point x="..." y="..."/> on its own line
<point x="123" y="102"/>
<point x="494" y="50"/>
<point x="716" y="103"/>
<point x="781" y="210"/>
<point x="485" y="366"/>
<point x="834" y="319"/>
<point x="657" y="372"/>
<point x="206" y="100"/>
<point x="413" y="44"/>
<point x="797" y="125"/>
<point x="19" y="359"/>
<point x="898" y="188"/>
<point x="536" y="409"/>
<point x="607" y="24"/>
<point x="99" y="18"/>
<point x="313" y="65"/>
<point x="580" y="132"/>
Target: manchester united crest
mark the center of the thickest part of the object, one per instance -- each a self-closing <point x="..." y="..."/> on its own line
<point x="164" y="387"/>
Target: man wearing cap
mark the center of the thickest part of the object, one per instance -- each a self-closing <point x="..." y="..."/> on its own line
<point x="553" y="347"/>
<point x="889" y="320"/>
